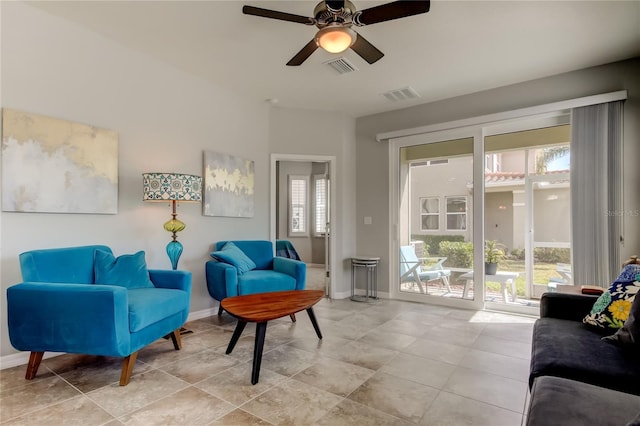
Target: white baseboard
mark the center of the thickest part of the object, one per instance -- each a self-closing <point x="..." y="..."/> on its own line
<point x="204" y="313"/>
<point x="22" y="358"/>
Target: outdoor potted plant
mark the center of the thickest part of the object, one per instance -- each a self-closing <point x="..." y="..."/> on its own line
<point x="493" y="253"/>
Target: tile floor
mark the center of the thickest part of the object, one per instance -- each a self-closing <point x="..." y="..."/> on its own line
<point x="388" y="363"/>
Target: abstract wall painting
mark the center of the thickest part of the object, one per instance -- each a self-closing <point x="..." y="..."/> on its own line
<point x="57" y="166"/>
<point x="228" y="185"/>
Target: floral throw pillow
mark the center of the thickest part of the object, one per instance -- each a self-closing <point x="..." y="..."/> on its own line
<point x="612" y="308"/>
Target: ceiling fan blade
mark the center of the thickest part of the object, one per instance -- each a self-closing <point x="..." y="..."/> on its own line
<point x="366" y="50"/>
<point x="302" y="55"/>
<point x="390" y="11"/>
<point x="274" y="14"/>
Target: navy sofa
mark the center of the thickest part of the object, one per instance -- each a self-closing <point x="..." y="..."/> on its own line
<point x="575" y="375"/>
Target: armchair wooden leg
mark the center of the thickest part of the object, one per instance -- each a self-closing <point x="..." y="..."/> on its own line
<point x="127" y="368"/>
<point x="293" y="317"/>
<point x="34" y="363"/>
<point x="176" y="339"/>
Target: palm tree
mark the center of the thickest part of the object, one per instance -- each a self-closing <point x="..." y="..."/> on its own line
<point x="548" y="155"/>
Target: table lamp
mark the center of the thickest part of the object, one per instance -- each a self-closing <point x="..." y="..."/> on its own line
<point x="174" y="187"/>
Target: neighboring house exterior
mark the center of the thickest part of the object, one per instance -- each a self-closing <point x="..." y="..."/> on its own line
<point x="441" y="201"/>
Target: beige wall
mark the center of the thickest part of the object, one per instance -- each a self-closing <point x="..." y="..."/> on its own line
<point x="498" y="218"/>
<point x="372" y="166"/>
<point x="552" y="214"/>
<point x="295" y="132"/>
<point x="165" y="120"/>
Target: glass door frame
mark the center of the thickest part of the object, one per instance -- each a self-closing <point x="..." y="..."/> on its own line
<point x="395" y="229"/>
<point x="486" y="125"/>
<point x="530" y="241"/>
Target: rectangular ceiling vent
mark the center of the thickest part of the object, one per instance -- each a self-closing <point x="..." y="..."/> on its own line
<point x="403" y="94"/>
<point x="341" y="65"/>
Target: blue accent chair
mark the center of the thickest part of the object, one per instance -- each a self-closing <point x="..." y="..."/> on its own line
<point x="59" y="308"/>
<point x="270" y="273"/>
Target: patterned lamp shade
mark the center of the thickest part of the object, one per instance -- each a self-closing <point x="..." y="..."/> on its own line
<point x="171" y="186"/>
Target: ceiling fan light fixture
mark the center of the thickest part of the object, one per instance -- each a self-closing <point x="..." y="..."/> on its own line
<point x="335" y="39"/>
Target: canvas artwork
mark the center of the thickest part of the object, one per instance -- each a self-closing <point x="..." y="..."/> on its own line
<point x="228" y="185"/>
<point x="57" y="166"/>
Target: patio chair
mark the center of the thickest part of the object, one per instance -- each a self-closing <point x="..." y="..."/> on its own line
<point x="412" y="269"/>
<point x="564" y="270"/>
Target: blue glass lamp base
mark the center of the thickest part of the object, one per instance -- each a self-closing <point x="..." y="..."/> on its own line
<point x="174" y="250"/>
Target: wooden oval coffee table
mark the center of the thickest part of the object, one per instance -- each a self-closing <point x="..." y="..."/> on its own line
<point x="264" y="307"/>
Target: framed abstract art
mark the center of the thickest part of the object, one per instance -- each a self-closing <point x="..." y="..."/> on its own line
<point x="57" y="166"/>
<point x="228" y="185"/>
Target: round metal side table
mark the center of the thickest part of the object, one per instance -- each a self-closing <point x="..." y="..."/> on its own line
<point x="371" y="267"/>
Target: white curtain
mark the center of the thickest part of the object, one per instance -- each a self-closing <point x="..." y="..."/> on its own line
<point x="596" y="193"/>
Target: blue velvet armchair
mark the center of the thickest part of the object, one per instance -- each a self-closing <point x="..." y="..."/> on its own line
<point x="231" y="274"/>
<point x="66" y="305"/>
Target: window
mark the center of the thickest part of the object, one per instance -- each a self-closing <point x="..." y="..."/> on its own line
<point x="493" y="162"/>
<point x="430" y="162"/>
<point x="456" y="213"/>
<point x="429" y="214"/>
<point x="321" y="198"/>
<point x="298" y="202"/>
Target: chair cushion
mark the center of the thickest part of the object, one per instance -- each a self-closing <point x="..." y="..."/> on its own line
<point x="128" y="270"/>
<point x="261" y="281"/>
<point x="232" y="255"/>
<point x="150" y="305"/>
<point x="612" y="308"/>
<point x="259" y="251"/>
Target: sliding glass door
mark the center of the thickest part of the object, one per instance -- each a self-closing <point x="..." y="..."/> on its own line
<point x="527" y="213"/>
<point x="435" y="199"/>
<point x="467" y="198"/>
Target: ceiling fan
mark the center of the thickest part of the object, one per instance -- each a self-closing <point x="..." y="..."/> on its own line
<point x="334" y="20"/>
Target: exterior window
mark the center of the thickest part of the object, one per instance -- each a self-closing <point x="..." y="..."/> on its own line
<point x="320" y="208"/>
<point x="298" y="202"/>
<point x="493" y="162"/>
<point x="430" y="214"/>
<point x="430" y="162"/>
<point x="456" y="213"/>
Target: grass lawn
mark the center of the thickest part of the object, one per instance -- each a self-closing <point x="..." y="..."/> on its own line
<point x="541" y="274"/>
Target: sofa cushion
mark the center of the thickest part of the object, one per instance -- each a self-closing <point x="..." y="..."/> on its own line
<point x="148" y="306"/>
<point x="260" y="281"/>
<point x="573" y="350"/>
<point x="232" y="255"/>
<point x="629" y="335"/>
<point x="562" y="402"/>
<point x="612" y="308"/>
<point x="128" y="270"/>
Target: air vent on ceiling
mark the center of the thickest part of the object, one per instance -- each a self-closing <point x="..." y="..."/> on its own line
<point x="341" y="65"/>
<point x="403" y="94"/>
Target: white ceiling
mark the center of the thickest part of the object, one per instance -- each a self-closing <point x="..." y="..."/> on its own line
<point x="459" y="47"/>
